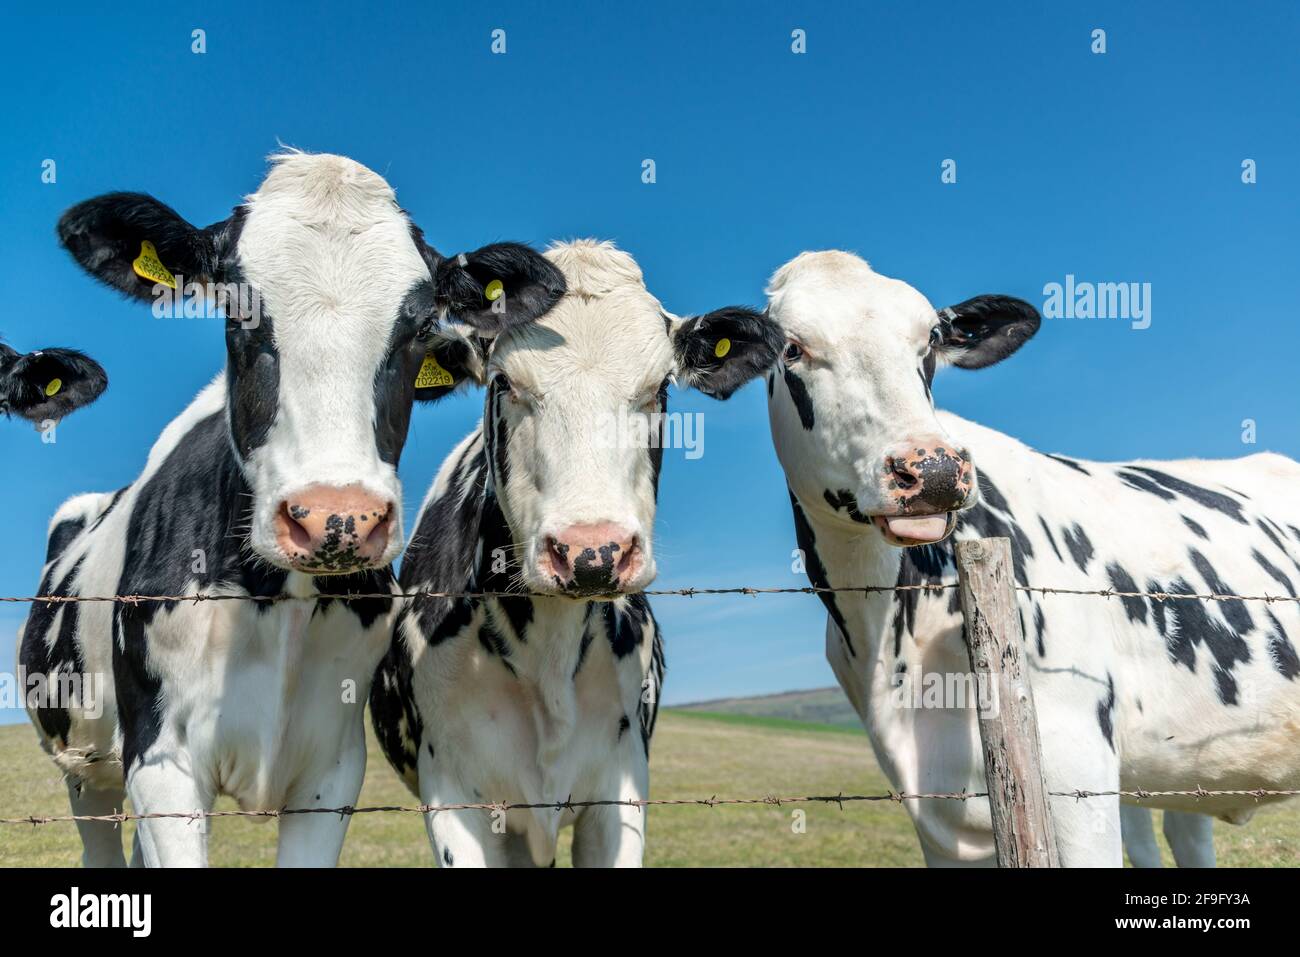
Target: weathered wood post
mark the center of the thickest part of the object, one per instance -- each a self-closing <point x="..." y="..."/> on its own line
<point x="1022" y="822"/>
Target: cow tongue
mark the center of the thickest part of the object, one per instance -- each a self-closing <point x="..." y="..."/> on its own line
<point x="928" y="528"/>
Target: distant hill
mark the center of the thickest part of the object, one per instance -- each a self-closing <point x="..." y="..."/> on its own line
<point x="818" y="706"/>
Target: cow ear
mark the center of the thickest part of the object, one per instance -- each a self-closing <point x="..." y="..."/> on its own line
<point x="451" y="361"/>
<point x="132" y="242"/>
<point x="49" y="384"/>
<point x="985" y="330"/>
<point x="720" y="351"/>
<point x="497" y="287"/>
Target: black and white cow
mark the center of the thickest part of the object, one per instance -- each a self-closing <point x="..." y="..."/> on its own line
<point x="48" y="384"/>
<point x="1133" y="692"/>
<point x="550" y="697"/>
<point x="279" y="481"/>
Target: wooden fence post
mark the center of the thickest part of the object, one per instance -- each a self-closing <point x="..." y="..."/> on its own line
<point x="1022" y="822"/>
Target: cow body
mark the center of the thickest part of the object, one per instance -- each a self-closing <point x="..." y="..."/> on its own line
<point x="550" y="696"/>
<point x="224" y="697"/>
<point x="276" y="487"/>
<point x="529" y="700"/>
<point x="1131" y="693"/>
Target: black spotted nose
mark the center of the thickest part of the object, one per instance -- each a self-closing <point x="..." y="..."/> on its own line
<point x="592" y="559"/>
<point x="924" y="477"/>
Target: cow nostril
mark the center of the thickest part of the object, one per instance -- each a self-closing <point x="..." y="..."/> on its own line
<point x="629" y="556"/>
<point x="297" y="534"/>
<point x="902" y="475"/>
<point x="377" y="540"/>
<point x="558" y="554"/>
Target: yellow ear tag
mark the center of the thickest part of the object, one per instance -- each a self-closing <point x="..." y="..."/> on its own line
<point x="54" y="387"/>
<point x="722" y="348"/>
<point x="432" y="374"/>
<point x="494" y="290"/>
<point x="148" y="266"/>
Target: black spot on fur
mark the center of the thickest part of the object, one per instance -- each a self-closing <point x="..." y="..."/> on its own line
<point x="816" y="571"/>
<point x="989" y="493"/>
<point x="1144" y="484"/>
<point x="1274" y="572"/>
<point x="1134" y="608"/>
<point x="1202" y="496"/>
<point x="1280" y="650"/>
<point x="1106" y="712"/>
<point x="919" y="565"/>
<point x="1080" y="548"/>
<point x="1051" y="539"/>
<point x="799" y="396"/>
<point x="1185" y="624"/>
<point x="1070" y="463"/>
<point x="1233" y="610"/>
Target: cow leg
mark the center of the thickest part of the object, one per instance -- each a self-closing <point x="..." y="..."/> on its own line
<point x="163" y="782"/>
<point x="101" y="841"/>
<point x="1190" y="837"/>
<point x="316" y="840"/>
<point x="460" y="838"/>
<point x="1139" y="836"/>
<point x="614" y="836"/>
<point x="1087" y="829"/>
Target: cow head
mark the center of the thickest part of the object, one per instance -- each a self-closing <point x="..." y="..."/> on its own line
<point x="49" y="383"/>
<point x="575" y="412"/>
<point x="849" y="400"/>
<point x="331" y="299"/>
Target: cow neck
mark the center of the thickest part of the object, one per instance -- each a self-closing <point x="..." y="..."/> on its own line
<point x="841" y="556"/>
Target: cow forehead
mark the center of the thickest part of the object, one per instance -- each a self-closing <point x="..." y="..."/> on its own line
<point x="620" y="340"/>
<point x="607" y="328"/>
<point x="323" y="241"/>
<point x="831" y="297"/>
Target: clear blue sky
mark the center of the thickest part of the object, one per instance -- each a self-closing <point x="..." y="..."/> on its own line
<point x="1117" y="167"/>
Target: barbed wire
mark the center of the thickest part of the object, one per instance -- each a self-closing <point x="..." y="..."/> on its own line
<point x="570" y="805"/>
<point x="1160" y="596"/>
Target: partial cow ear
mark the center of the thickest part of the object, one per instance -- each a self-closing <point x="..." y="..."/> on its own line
<point x="131" y="241"/>
<point x="720" y="351"/>
<point x="985" y="330"/>
<point x="49" y="384"/>
<point x="450" y="362"/>
<point x="497" y="287"/>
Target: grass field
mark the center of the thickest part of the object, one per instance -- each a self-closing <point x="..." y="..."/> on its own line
<point x="695" y="754"/>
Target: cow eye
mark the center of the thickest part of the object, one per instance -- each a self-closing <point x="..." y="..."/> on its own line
<point x="936" y="337"/>
<point x="515" y="395"/>
<point x="793" y="353"/>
